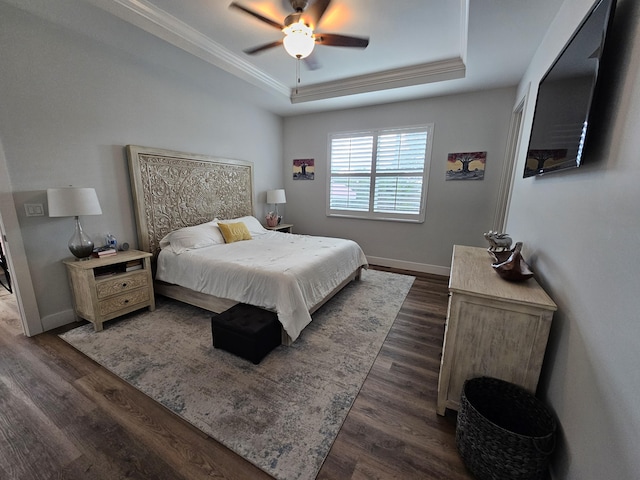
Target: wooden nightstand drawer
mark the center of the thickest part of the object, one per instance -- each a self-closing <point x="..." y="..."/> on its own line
<point x="122" y="283"/>
<point x="124" y="301"/>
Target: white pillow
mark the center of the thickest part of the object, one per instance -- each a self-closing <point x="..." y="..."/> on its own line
<point x="191" y="238"/>
<point x="253" y="224"/>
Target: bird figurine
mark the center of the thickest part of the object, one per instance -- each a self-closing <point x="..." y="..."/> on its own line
<point x="498" y="242"/>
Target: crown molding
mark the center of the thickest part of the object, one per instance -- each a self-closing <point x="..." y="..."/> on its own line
<point x="400" y="77"/>
<point x="163" y="25"/>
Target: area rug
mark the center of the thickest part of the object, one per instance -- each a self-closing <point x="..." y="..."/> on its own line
<point x="281" y="415"/>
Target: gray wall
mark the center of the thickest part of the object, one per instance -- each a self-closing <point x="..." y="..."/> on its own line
<point x="70" y="102"/>
<point x="581" y="232"/>
<point x="458" y="212"/>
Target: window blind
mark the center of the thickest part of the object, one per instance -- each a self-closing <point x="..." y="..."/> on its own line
<point x="379" y="174"/>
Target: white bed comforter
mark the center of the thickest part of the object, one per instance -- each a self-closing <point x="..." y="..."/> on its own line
<point x="283" y="272"/>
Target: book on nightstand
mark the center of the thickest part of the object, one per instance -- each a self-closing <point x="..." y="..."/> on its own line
<point x="104" y="252"/>
<point x="133" y="265"/>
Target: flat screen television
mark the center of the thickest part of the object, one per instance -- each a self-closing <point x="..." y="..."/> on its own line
<point x="565" y="95"/>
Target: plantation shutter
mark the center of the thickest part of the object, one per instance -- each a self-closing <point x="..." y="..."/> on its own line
<point x="351" y="163"/>
<point x="380" y="174"/>
<point x="399" y="172"/>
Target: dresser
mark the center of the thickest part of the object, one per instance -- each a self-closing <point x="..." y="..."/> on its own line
<point x="108" y="287"/>
<point x="494" y="327"/>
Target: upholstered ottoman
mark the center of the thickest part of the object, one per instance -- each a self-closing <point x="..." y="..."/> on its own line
<point x="247" y="331"/>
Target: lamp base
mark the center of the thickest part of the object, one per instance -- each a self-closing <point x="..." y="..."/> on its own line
<point x="278" y="215"/>
<point x="80" y="245"/>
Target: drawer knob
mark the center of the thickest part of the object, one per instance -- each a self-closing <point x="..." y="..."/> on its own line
<point x="126" y="301"/>
<point x="124" y="285"/>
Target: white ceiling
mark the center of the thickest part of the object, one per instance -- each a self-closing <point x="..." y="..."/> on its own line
<point x="418" y="48"/>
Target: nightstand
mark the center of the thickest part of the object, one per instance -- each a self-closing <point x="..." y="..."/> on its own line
<point x="283" y="227"/>
<point x="108" y="287"/>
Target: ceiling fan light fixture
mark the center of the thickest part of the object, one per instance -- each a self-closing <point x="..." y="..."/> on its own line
<point x="298" y="40"/>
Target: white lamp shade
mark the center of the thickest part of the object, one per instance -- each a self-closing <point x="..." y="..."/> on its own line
<point x="72" y="202"/>
<point x="276" y="196"/>
<point x="298" y="40"/>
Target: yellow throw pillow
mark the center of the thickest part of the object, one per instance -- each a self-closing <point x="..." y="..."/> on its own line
<point x="233" y="232"/>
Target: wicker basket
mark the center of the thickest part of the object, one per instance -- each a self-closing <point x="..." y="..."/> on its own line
<point x="504" y="432"/>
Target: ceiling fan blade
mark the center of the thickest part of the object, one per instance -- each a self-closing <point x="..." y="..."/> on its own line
<point x="262" y="48"/>
<point x="334" y="40"/>
<point x="315" y="12"/>
<point x="257" y="15"/>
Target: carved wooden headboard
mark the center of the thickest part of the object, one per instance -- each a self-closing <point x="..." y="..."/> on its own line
<point x="172" y="190"/>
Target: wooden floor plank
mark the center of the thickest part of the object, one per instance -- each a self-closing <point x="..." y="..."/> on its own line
<point x="29" y="442"/>
<point x="85" y="422"/>
<point x="183" y="447"/>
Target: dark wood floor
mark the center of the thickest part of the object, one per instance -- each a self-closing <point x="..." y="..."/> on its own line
<point x="62" y="416"/>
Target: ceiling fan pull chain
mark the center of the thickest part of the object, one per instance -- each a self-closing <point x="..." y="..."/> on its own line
<point x="297" y="73"/>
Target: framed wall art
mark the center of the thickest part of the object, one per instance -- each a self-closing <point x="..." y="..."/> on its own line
<point x="303" y="169"/>
<point x="466" y="166"/>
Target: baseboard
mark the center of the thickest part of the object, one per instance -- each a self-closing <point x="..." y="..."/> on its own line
<point x="68" y="316"/>
<point x="413" y="266"/>
<point x="58" y="319"/>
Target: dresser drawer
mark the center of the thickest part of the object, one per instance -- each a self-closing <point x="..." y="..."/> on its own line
<point x="125" y="300"/>
<point x="107" y="288"/>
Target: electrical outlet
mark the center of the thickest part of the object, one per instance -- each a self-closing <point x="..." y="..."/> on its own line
<point x="34" y="209"/>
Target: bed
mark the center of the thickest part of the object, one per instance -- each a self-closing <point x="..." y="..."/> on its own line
<point x="177" y="193"/>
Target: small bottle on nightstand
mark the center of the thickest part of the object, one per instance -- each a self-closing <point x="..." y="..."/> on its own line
<point x="110" y="241"/>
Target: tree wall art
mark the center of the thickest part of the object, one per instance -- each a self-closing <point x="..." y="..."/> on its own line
<point x="303" y="169"/>
<point x="466" y="166"/>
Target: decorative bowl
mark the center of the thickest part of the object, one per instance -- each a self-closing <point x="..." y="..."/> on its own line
<point x="499" y="257"/>
<point x="514" y="268"/>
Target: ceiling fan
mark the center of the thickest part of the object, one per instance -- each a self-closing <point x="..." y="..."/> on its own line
<point x="298" y="28"/>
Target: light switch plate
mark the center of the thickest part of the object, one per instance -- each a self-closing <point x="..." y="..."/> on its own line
<point x="34" y="209"/>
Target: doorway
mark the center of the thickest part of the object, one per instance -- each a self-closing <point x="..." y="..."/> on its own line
<point x="511" y="158"/>
<point x="9" y="312"/>
<point x="22" y="292"/>
<point x="5" y="276"/>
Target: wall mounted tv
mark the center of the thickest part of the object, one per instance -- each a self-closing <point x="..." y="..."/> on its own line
<point x="562" y="115"/>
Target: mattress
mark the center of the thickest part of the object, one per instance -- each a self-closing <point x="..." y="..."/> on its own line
<point x="283" y="272"/>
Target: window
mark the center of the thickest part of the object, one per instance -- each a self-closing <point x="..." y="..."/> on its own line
<point x="380" y="174"/>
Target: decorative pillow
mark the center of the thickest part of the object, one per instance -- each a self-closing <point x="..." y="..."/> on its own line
<point x="234" y="232"/>
<point x="191" y="238"/>
<point x="252" y="223"/>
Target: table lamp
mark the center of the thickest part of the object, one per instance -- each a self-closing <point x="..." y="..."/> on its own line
<point x="275" y="197"/>
<point x="73" y="202"/>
